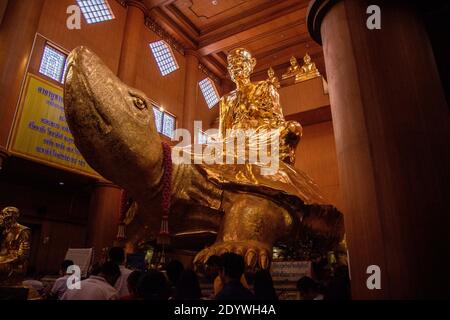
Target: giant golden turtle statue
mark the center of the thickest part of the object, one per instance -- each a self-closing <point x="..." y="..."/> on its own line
<point x="247" y="211"/>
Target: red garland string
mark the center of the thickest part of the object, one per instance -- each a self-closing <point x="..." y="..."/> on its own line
<point x="164" y="234"/>
<point x="125" y="204"/>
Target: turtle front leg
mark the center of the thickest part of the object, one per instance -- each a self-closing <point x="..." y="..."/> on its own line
<point x="250" y="227"/>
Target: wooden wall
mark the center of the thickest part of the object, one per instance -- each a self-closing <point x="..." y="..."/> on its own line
<point x="316" y="155"/>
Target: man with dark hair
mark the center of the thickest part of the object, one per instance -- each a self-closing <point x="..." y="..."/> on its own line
<point x="308" y="289"/>
<point x="153" y="286"/>
<point x="98" y="287"/>
<point x="60" y="285"/>
<point x="117" y="256"/>
<point x="132" y="283"/>
<point x="233" y="268"/>
<point x="213" y="267"/>
<point x="174" y="269"/>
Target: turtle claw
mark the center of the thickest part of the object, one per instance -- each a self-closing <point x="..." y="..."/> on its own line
<point x="256" y="254"/>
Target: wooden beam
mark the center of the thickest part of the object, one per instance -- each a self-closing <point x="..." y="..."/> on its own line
<point x="213" y="66"/>
<point x="170" y="26"/>
<point x="283" y="56"/>
<point x="248" y="19"/>
<point x="181" y="20"/>
<point x="150" y="4"/>
<point x="310" y="117"/>
<point x="276" y="25"/>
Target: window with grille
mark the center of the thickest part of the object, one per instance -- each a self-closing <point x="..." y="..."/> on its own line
<point x="209" y="92"/>
<point x="165" y="122"/>
<point x="164" y="57"/>
<point x="53" y="63"/>
<point x="95" y="10"/>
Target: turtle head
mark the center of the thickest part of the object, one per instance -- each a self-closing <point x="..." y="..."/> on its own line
<point x="112" y="124"/>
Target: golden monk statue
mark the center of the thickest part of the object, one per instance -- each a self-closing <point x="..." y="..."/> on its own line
<point x="292" y="70"/>
<point x="230" y="207"/>
<point x="272" y="78"/>
<point x="14" y="243"/>
<point x="308" y="70"/>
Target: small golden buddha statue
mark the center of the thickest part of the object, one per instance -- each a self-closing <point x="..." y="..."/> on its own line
<point x="272" y="78"/>
<point x="308" y="70"/>
<point x="292" y="70"/>
<point x="14" y="243"/>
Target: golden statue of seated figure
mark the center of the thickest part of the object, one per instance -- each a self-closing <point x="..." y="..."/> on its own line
<point x="256" y="105"/>
<point x="272" y="78"/>
<point x="14" y="243"/>
<point x="308" y="70"/>
<point x="292" y="70"/>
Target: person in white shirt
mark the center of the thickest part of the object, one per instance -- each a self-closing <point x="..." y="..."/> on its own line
<point x="60" y="285"/>
<point x="97" y="287"/>
<point x="117" y="255"/>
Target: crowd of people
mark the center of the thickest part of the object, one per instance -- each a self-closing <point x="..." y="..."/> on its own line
<point x="226" y="273"/>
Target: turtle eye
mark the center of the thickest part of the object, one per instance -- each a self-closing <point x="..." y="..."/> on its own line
<point x="139" y="103"/>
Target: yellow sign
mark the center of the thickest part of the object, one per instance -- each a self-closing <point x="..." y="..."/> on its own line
<point x="41" y="132"/>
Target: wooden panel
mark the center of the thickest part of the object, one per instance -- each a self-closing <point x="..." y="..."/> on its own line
<point x="303" y="96"/>
<point x="316" y="155"/>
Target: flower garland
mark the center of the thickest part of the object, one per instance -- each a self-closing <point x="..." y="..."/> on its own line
<point x="125" y="204"/>
<point x="164" y="234"/>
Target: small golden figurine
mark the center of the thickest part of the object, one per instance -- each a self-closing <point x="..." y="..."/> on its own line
<point x="292" y="70"/>
<point x="308" y="70"/>
<point x="14" y="243"/>
<point x="272" y="78"/>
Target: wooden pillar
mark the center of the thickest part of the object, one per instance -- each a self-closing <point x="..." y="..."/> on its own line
<point x="17" y="31"/>
<point x="190" y="90"/>
<point x="103" y="216"/>
<point x="131" y="43"/>
<point x="391" y="126"/>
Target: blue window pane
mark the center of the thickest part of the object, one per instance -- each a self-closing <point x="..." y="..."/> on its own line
<point x="209" y="92"/>
<point x="168" y="125"/>
<point x="158" y="119"/>
<point x="53" y="63"/>
<point x="95" y="10"/>
<point x="164" y="57"/>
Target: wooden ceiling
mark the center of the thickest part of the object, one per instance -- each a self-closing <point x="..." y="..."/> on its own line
<point x="273" y="30"/>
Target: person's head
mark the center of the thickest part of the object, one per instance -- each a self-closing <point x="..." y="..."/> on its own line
<point x="240" y="64"/>
<point x="213" y="266"/>
<point x="110" y="271"/>
<point x="233" y="267"/>
<point x="133" y="280"/>
<point x="116" y="255"/>
<point x="174" y="269"/>
<point x="263" y="286"/>
<point x="188" y="286"/>
<point x="8" y="217"/>
<point x="152" y="286"/>
<point x="307" y="288"/>
<point x="64" y="265"/>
